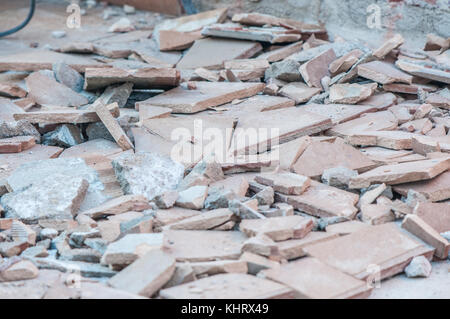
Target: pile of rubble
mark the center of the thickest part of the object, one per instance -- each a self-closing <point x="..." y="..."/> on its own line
<point x="344" y="179"/>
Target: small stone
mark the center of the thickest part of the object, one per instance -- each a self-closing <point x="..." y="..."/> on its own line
<point x="98" y="130"/>
<point x="338" y="176"/>
<point x="418" y="267"/>
<point x="58" y="34"/>
<point x="286" y="70"/>
<point x="81" y="254"/>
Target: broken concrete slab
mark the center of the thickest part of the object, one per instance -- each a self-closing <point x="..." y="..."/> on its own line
<point x="59" y="196"/>
<point x="346" y="228"/>
<point x="294" y="248"/>
<point x="394" y="250"/>
<point x="147" y="174"/>
<point x="281" y="53"/>
<point x="376" y="214"/>
<point x="401" y="173"/>
<point x="204" y="221"/>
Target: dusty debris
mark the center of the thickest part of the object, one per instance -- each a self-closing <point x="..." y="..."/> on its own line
<point x="257" y="158"/>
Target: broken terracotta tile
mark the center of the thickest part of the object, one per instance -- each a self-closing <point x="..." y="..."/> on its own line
<point x="119" y="205"/>
<point x="281" y="53"/>
<point x="96" y="78"/>
<point x="437" y="215"/>
<point x="113" y="127"/>
<point x="299" y="92"/>
<point x="44" y="59"/>
<point x="146" y="275"/>
<point x="212" y="268"/>
<point x="312" y="278"/>
<point x="415" y="225"/>
<point x="65" y="115"/>
<point x="315" y="69"/>
<point x="346" y="228"/>
<point x="281" y="128"/>
<point x="339" y="113"/>
<point x="319" y="156"/>
<point x="16" y="144"/>
<point x="285" y="183"/>
<point x="278" y="228"/>
<point x="256" y="263"/>
<point x="294" y="248"/>
<point x="12" y="90"/>
<point x="315" y="201"/>
<point x="351" y="93"/>
<point x="45" y="90"/>
<point x="205" y="95"/>
<point x="394" y="250"/>
<point x="435" y="42"/>
<point x="389" y="45"/>
<point x="203" y="245"/>
<point x="401" y="173"/>
<point x="210" y="53"/>
<point x="383" y="72"/>
<point x="379" y="121"/>
<point x="424" y="70"/>
<point x="225" y="286"/>
<point x="435" y="189"/>
<point x="345" y="62"/>
<point x="237" y="31"/>
<point x="375" y="214"/>
<point x="394" y="140"/>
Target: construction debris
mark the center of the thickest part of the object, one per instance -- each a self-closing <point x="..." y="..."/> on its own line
<point x="222" y="155"/>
